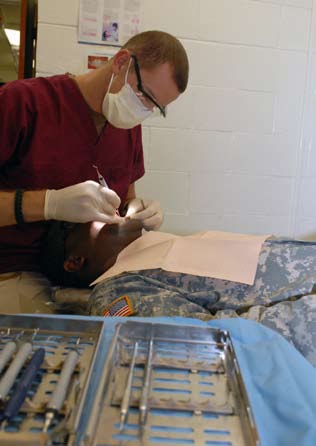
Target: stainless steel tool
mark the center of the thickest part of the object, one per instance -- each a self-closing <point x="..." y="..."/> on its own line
<point x="128" y="389"/>
<point x="143" y="403"/>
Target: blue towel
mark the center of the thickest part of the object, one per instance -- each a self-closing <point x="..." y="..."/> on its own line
<point x="280" y="382"/>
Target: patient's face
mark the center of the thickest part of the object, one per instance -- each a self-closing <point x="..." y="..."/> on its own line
<point x="99" y="244"/>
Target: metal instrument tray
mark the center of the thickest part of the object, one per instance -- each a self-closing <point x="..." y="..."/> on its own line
<point x="58" y="336"/>
<point x="172" y="385"/>
<point x="142" y="384"/>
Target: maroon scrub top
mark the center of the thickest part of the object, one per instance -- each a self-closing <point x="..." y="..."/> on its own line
<point x="48" y="140"/>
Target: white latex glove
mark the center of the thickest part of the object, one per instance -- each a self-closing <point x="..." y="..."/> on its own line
<point x="83" y="202"/>
<point x="149" y="212"/>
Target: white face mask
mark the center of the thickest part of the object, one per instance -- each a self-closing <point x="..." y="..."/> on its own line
<point x="124" y="109"/>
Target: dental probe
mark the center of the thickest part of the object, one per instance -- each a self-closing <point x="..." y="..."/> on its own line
<point x="100" y="177"/>
<point x="143" y="405"/>
<point x="6" y="354"/>
<point x="13" y="370"/>
<point x="103" y="182"/>
<point x="25" y="382"/>
<point x="128" y="388"/>
<point x="59" y="394"/>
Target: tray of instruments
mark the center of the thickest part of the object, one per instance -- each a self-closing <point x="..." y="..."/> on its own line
<point x="45" y="368"/>
<point x="173" y="385"/>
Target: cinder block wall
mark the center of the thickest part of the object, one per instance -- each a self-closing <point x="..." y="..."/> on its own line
<point x="237" y="151"/>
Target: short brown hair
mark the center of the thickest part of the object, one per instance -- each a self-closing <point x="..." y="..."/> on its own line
<point x="154" y="48"/>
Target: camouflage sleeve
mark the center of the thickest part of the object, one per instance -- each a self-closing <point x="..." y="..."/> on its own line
<point x="295" y="320"/>
<point x="138" y="295"/>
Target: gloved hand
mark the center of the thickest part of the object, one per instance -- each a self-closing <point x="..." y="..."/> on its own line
<point x="83" y="202"/>
<point x="149" y="212"/>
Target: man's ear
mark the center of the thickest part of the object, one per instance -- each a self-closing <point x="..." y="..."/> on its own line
<point x="73" y="263"/>
<point x="120" y="60"/>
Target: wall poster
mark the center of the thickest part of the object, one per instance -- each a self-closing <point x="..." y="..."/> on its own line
<point x="108" y="22"/>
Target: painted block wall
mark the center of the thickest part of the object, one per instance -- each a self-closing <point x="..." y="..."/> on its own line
<point x="237" y="151"/>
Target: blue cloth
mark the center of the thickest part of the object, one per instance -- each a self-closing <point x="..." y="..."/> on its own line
<point x="280" y="382"/>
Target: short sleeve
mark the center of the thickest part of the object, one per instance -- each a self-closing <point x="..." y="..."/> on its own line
<point x="16" y="118"/>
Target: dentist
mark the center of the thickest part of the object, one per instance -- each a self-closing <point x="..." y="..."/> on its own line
<point x="54" y="131"/>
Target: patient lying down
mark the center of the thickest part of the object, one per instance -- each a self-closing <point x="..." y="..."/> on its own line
<point x="88" y="250"/>
<point x="281" y="297"/>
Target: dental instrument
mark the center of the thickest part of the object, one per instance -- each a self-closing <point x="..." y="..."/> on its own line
<point x="103" y="182"/>
<point x="25" y="382"/>
<point x="59" y="395"/>
<point x="128" y="389"/>
<point x="100" y="177"/>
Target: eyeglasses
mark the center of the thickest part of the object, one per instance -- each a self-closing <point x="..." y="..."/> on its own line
<point x="141" y="88"/>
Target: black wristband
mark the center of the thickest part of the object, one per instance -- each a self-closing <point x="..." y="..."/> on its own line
<point x="18" y="206"/>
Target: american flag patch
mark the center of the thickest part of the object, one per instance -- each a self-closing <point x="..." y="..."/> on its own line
<point x="119" y="307"/>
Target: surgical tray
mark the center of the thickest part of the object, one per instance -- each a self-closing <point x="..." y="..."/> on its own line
<point x="140" y="383"/>
<point x="172" y="385"/>
<point x="59" y="337"/>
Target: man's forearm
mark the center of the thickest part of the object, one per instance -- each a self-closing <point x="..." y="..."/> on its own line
<point x="32" y="207"/>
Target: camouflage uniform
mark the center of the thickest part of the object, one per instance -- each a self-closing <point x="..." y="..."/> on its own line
<point x="281" y="297"/>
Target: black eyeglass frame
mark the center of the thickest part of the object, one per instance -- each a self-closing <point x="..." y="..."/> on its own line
<point x="141" y="88"/>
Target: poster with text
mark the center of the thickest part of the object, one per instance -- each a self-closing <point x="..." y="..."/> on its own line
<point x="108" y="22"/>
